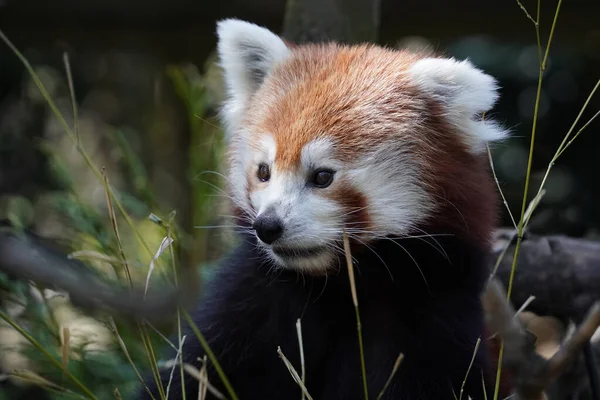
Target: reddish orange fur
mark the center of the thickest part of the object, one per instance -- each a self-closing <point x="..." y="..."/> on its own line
<point x="358" y="96"/>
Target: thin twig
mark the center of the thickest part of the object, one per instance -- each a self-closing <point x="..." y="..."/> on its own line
<point x="73" y="98"/>
<point x="551" y="35"/>
<point x="582" y="128"/>
<point x="526" y="12"/>
<point x="521" y="224"/>
<point x="499" y="187"/>
<point x="565" y="143"/>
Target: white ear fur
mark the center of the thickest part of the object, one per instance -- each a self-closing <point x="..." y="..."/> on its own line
<point x="247" y="54"/>
<point x="466" y="91"/>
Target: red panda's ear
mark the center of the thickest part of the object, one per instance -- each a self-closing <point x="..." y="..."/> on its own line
<point x="465" y="91"/>
<point x="247" y="53"/>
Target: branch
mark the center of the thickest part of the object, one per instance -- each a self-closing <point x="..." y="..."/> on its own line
<point x="533" y="373"/>
<point x="561" y="272"/>
<point x="26" y="259"/>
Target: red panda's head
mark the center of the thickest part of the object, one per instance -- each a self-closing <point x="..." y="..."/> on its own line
<point x="375" y="141"/>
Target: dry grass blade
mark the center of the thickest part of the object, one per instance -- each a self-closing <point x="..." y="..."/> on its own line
<point x="151" y="359"/>
<point x="94" y="255"/>
<point x="174" y="365"/>
<point x="483" y="386"/>
<point x="389" y="380"/>
<point x="210" y="354"/>
<point x="143" y="333"/>
<point x="54" y="361"/>
<point x="123" y="347"/>
<point x="355" y="301"/>
<point x="294" y="374"/>
<point x="195" y="373"/>
<point x="462" y="387"/>
<point x="525" y="304"/>
<point x="117" y="394"/>
<point x="35" y="379"/>
<point x="301" y="346"/>
<point x="73" y="99"/>
<point x="115" y="226"/>
<point x="166" y="242"/>
<point x="179" y="331"/>
<point x="64" y="346"/>
<point x="162" y="336"/>
<point x="491" y="159"/>
<point x="203" y="387"/>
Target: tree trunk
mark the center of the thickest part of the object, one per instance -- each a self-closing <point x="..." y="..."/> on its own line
<point x="348" y="21"/>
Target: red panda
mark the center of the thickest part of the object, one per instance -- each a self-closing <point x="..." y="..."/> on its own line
<point x="388" y="146"/>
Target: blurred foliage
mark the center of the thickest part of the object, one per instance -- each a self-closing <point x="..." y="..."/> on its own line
<point x="75" y="215"/>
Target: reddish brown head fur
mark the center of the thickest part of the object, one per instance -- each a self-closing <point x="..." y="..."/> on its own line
<point x="399" y="130"/>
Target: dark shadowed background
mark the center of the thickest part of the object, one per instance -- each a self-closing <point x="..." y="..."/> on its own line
<point x="147" y="92"/>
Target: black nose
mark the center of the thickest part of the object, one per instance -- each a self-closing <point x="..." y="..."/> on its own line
<point x="268" y="227"/>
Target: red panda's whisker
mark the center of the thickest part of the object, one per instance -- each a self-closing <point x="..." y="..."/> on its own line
<point x="377" y="255"/>
<point x="220" y="175"/>
<point x="221" y="192"/>
<point x="214" y="226"/>
<point x="415" y="261"/>
<point x="241" y="218"/>
<point x="438" y="243"/>
<point x="354" y="211"/>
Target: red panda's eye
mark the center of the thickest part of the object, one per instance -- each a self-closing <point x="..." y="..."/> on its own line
<point x="322" y="178"/>
<point x="264" y="172"/>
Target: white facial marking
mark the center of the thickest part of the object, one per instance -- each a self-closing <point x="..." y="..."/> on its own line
<point x="387" y="177"/>
<point x="319" y="154"/>
<point x="312" y="222"/>
<point x="390" y="180"/>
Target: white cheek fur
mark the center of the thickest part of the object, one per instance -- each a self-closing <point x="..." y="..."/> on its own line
<point x="388" y="177"/>
<point x="390" y="181"/>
